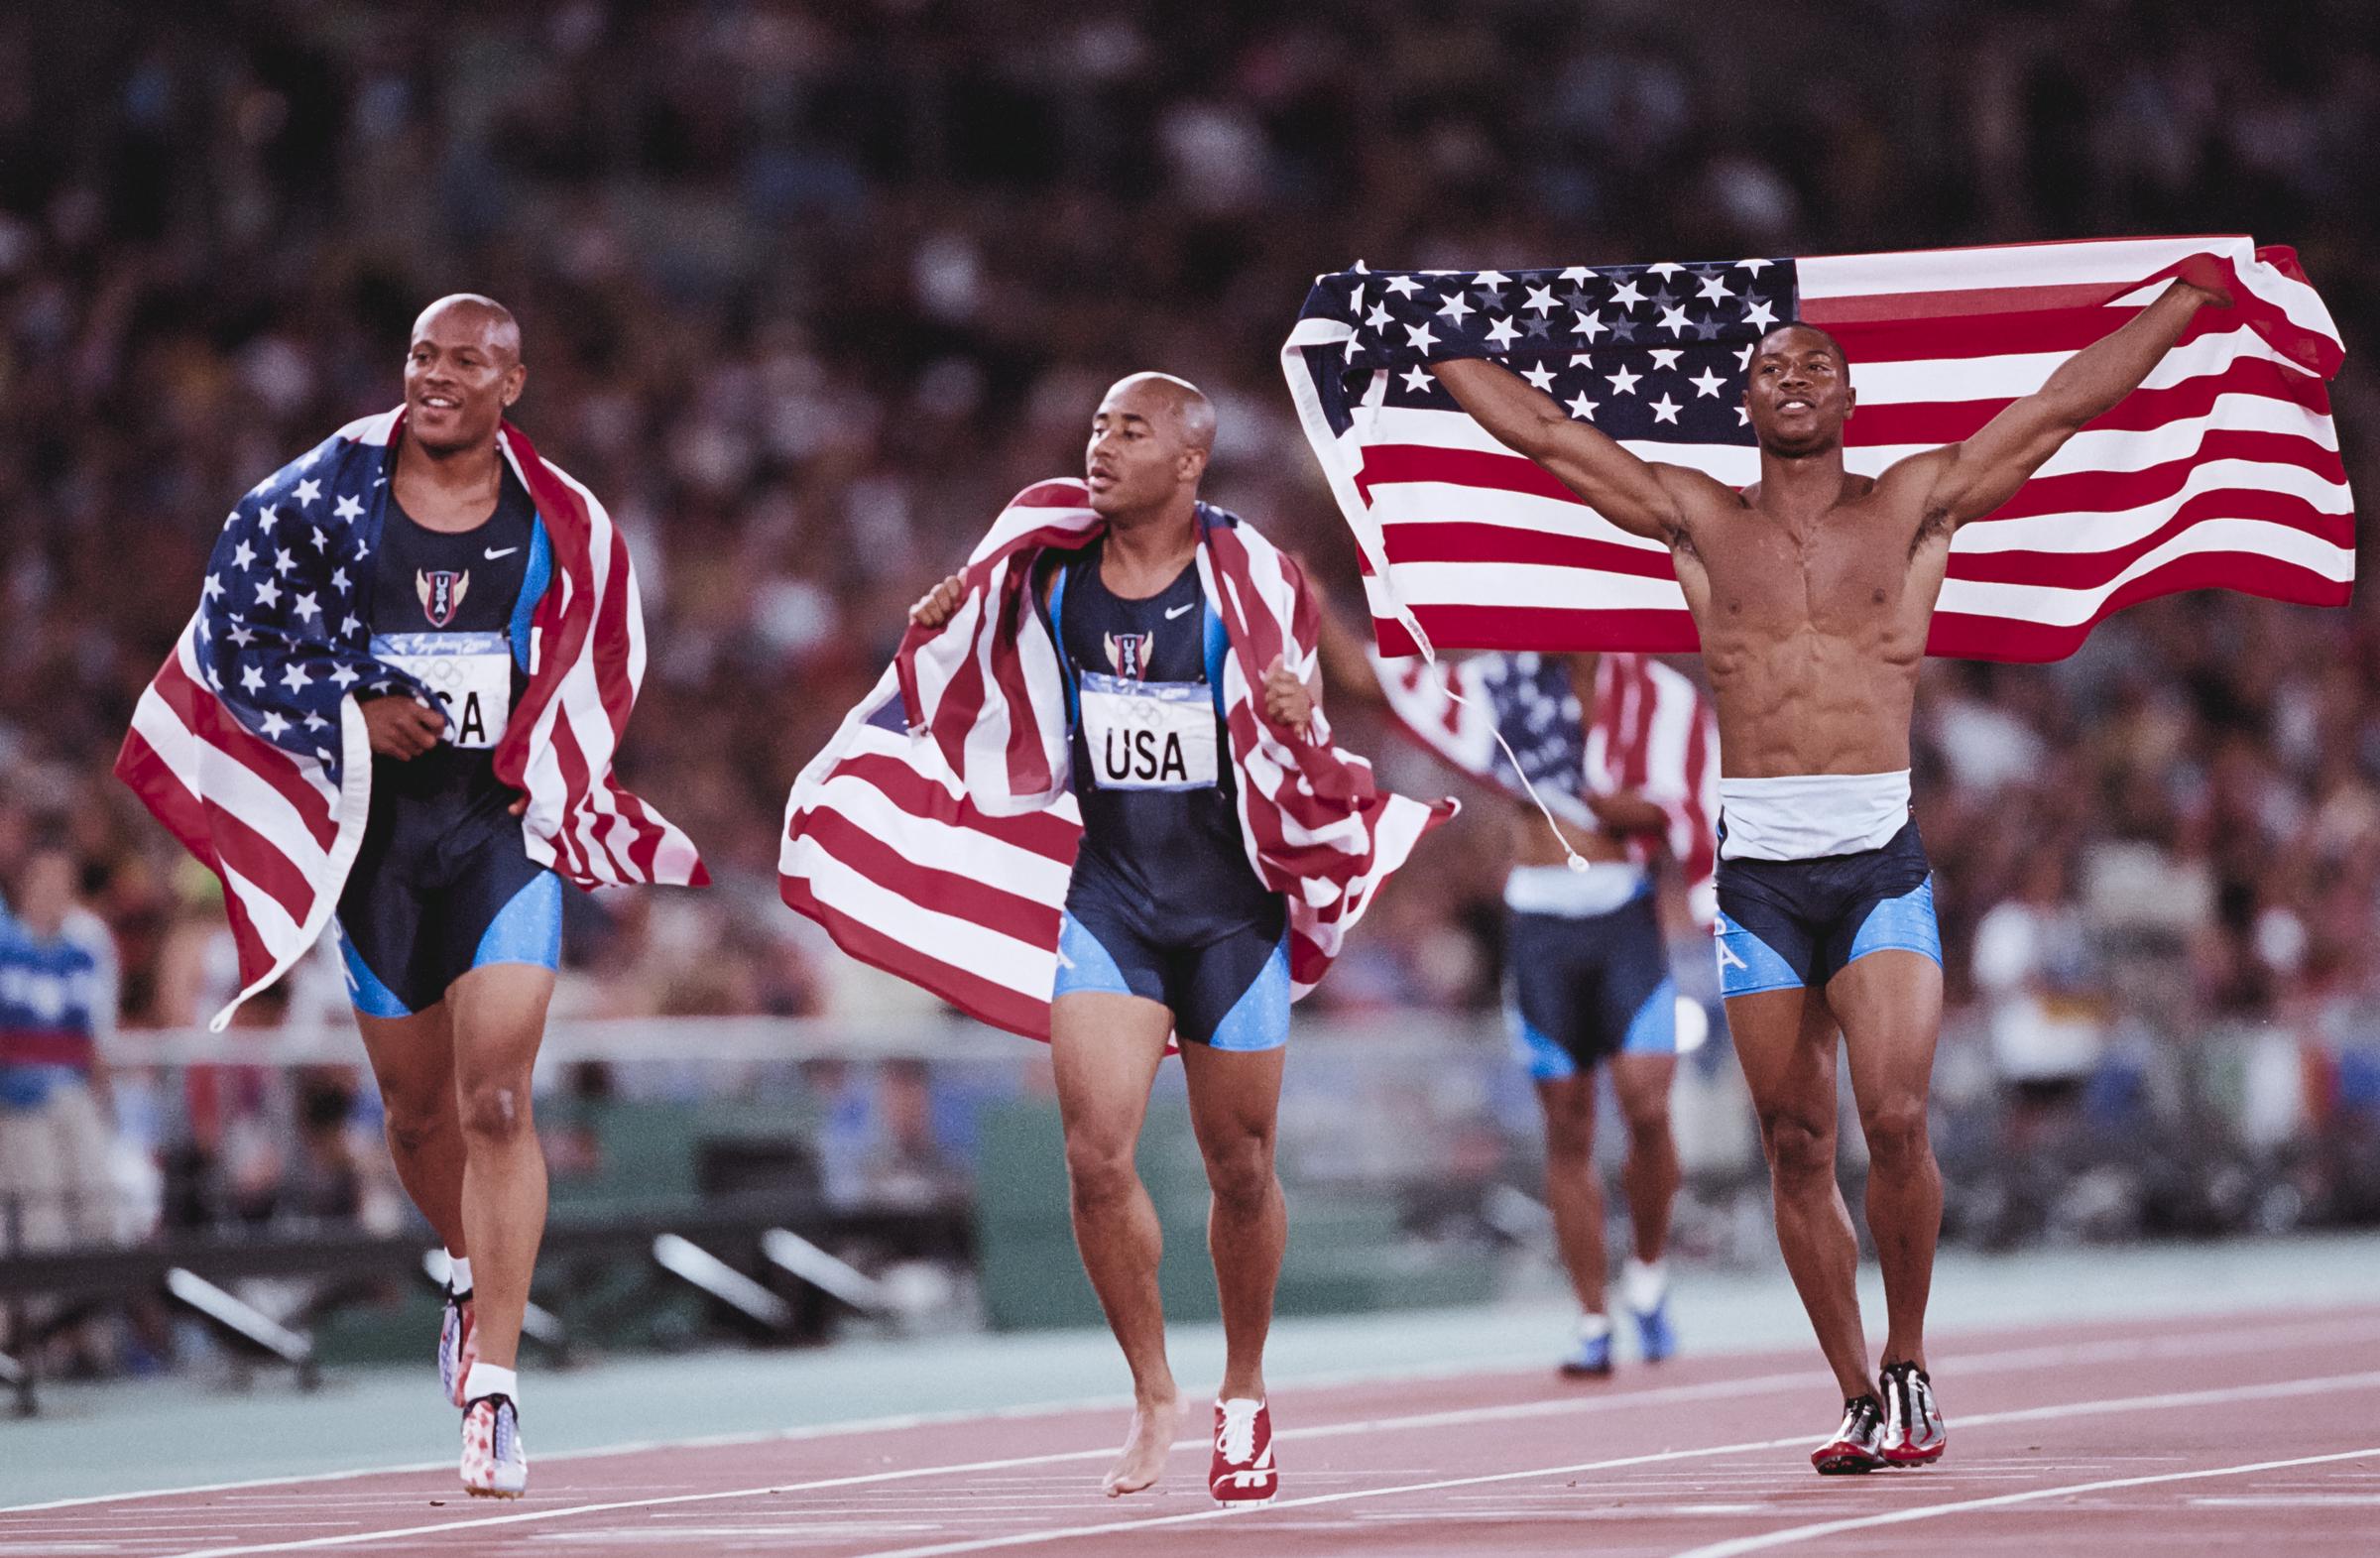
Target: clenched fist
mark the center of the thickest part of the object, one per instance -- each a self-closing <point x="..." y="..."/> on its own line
<point x="1288" y="701"/>
<point x="401" y="727"/>
<point x="937" y="605"/>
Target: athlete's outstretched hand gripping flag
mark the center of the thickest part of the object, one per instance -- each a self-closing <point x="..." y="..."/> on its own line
<point x="935" y="835"/>
<point x="249" y="745"/>
<point x="2222" y="471"/>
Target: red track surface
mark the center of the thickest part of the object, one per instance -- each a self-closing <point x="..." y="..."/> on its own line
<point x="2114" y="1440"/>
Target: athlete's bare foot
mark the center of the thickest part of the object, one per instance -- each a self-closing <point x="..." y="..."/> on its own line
<point x="1145" y="1448"/>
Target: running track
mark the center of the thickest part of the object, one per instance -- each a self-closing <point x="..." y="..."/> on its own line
<point x="2179" y="1437"/>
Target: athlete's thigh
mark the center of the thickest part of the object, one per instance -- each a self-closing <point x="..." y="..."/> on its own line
<point x="1890" y="1004"/>
<point x="1104" y="1050"/>
<point x="1568" y="1106"/>
<point x="497" y="1015"/>
<point x="1234" y="1095"/>
<point x="413" y="1058"/>
<point x="1641" y="1085"/>
<point x="1785" y="1041"/>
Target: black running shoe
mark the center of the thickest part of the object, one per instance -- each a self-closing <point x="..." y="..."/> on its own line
<point x="1913" y="1430"/>
<point x="1856" y="1446"/>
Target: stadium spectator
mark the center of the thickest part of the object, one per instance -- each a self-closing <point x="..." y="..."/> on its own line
<point x="817" y="286"/>
<point x="57" y="1186"/>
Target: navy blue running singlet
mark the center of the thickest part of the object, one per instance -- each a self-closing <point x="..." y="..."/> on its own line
<point x="443" y="882"/>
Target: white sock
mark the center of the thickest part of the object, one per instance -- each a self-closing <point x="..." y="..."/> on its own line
<point x="488" y="1379"/>
<point x="458" y="1274"/>
<point x="1647" y="1286"/>
<point x="1593" y="1327"/>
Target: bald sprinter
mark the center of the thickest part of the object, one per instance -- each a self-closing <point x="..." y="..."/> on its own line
<point x="450" y="932"/>
<point x="1168" y="930"/>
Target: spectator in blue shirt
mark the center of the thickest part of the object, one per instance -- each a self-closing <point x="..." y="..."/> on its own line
<point x="56" y="1187"/>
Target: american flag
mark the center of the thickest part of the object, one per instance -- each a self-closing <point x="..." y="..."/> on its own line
<point x="1650" y="731"/>
<point x="250" y="748"/>
<point x="2223" y="470"/>
<point x="935" y="835"/>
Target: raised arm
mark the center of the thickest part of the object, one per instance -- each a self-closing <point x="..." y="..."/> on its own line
<point x="1967" y="481"/>
<point x="1638" y="496"/>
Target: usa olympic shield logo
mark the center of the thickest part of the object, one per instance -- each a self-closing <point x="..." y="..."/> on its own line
<point x="442" y="591"/>
<point x="1129" y="654"/>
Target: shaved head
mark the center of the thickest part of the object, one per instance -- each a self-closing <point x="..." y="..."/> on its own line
<point x="474" y="313"/>
<point x="1149" y="442"/>
<point x="1193" y="415"/>
<point x="462" y="372"/>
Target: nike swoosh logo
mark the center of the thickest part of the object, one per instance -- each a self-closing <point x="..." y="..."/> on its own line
<point x="1178" y="610"/>
<point x="491" y="553"/>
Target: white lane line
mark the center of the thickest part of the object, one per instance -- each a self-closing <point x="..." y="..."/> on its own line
<point x="2322" y="1386"/>
<point x="1804" y="1533"/>
<point x="2333" y="1327"/>
<point x="2190" y="1398"/>
<point x="2235" y="1340"/>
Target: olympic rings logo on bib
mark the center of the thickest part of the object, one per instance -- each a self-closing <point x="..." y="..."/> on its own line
<point x="1150" y="735"/>
<point x="470" y="674"/>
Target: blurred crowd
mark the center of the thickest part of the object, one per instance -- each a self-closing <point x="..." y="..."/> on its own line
<point x="809" y="288"/>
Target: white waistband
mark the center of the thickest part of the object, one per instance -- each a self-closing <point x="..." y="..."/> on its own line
<point x="1573" y="894"/>
<point x="1802" y="816"/>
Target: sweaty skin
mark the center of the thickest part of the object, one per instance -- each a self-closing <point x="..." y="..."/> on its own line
<point x="1813" y="588"/>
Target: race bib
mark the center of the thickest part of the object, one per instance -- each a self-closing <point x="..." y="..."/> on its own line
<point x="1149" y="735"/>
<point x="470" y="672"/>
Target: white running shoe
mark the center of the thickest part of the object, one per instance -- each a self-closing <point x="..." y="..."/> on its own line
<point x="494" y="1464"/>
<point x="458" y="1346"/>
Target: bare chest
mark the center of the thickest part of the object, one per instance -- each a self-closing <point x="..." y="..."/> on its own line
<point x="1850" y="575"/>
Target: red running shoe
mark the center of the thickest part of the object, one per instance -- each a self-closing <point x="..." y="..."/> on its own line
<point x="1243" y="1474"/>
<point x="1856" y="1446"/>
<point x="1913" y="1431"/>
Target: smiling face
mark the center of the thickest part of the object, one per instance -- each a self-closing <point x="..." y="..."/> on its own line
<point x="463" y="371"/>
<point x="1150" y="441"/>
<point x="1799" y="394"/>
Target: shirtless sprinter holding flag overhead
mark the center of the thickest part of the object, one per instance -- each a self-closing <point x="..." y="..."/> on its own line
<point x="1812" y="591"/>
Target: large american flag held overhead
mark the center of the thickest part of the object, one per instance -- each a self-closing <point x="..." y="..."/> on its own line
<point x="2222" y="471"/>
<point x="249" y="745"/>
<point x="935" y="836"/>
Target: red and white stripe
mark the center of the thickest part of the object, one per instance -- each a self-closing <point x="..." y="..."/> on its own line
<point x="1650" y="731"/>
<point x="281" y="836"/>
<point x="2222" y="471"/>
<point x="269" y="823"/>
<point x="586" y="662"/>
<point x="943" y="854"/>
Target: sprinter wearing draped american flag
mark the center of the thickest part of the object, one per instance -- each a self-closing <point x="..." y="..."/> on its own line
<point x="1096" y="800"/>
<point x="413" y="656"/>
<point x="1812" y="591"/>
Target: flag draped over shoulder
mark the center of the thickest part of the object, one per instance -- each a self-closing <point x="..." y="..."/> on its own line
<point x="2222" y="471"/>
<point x="1651" y="731"/>
<point x="249" y="745"/>
<point x="935" y="835"/>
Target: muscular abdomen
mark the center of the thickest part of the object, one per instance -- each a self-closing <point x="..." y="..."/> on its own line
<point x="1813" y="647"/>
